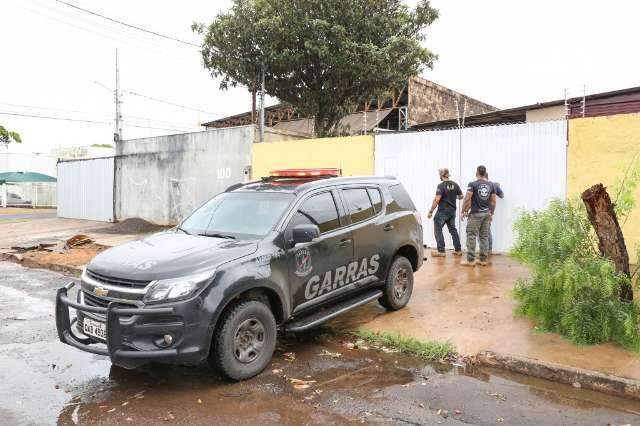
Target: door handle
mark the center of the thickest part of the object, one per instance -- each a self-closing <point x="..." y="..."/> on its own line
<point x="388" y="227"/>
<point x="344" y="242"/>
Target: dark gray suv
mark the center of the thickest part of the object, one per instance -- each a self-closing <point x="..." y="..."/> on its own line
<point x="291" y="251"/>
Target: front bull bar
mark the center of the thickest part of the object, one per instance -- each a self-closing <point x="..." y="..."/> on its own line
<point x="115" y="349"/>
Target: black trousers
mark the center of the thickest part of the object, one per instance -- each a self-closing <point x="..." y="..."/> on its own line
<point x="446" y="218"/>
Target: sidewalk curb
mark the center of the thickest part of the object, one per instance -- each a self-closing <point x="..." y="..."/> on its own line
<point x="578" y="377"/>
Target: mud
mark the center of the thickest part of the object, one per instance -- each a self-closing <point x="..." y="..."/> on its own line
<point x="46" y="382"/>
<point x="70" y="259"/>
<point x="132" y="226"/>
<point x="474" y="309"/>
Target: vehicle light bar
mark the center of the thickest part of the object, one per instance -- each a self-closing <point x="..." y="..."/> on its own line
<point x="316" y="172"/>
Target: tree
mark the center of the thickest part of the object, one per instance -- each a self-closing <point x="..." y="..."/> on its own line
<point x="7" y="136"/>
<point x="321" y="57"/>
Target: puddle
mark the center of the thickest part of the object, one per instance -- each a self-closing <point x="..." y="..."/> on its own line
<point x="46" y="382"/>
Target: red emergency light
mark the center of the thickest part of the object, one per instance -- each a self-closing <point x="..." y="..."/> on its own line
<point x="306" y="173"/>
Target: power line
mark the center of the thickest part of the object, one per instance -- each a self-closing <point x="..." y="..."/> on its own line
<point x="170" y="103"/>
<point x="146" y="44"/>
<point x="54" y="118"/>
<point x="47" y="117"/>
<point x="44" y="108"/>
<point x="134" y="117"/>
<point x="129" y="25"/>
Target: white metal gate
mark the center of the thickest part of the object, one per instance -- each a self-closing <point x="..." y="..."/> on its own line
<point x="529" y="161"/>
<point x="85" y="189"/>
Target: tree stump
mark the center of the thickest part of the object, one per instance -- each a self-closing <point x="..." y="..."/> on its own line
<point x="610" y="239"/>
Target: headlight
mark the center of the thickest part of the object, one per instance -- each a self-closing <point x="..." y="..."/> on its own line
<point x="177" y="288"/>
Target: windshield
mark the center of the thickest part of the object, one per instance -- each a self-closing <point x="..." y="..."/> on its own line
<point x="242" y="215"/>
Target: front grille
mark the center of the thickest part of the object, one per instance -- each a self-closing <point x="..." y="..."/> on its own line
<point x="92" y="300"/>
<point x="120" y="282"/>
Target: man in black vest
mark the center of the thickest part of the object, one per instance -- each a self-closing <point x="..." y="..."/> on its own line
<point x="447" y="194"/>
<point x="479" y="206"/>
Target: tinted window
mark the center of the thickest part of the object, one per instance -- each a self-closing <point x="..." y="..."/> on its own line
<point x="401" y="199"/>
<point x="318" y="210"/>
<point x="240" y="214"/>
<point x="376" y="199"/>
<point x="360" y="207"/>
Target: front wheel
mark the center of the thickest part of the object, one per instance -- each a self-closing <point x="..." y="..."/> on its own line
<point x="399" y="284"/>
<point x="244" y="341"/>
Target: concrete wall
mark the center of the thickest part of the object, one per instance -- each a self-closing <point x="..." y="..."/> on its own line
<point x="600" y="150"/>
<point x="27" y="162"/>
<point x="163" y="179"/>
<point x="430" y="102"/>
<point x="557" y="112"/>
<point x="353" y="154"/>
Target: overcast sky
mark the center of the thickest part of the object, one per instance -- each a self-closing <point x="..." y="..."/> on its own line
<point x="503" y="52"/>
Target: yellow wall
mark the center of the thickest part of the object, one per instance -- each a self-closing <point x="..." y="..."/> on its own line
<point x="353" y="154"/>
<point x="600" y="150"/>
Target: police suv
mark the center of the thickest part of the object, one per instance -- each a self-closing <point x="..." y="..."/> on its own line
<point x="291" y="251"/>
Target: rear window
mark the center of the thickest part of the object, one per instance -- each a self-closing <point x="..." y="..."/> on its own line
<point x="401" y="199"/>
<point x="359" y="204"/>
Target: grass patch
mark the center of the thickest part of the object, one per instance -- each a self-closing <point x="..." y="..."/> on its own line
<point x="430" y="350"/>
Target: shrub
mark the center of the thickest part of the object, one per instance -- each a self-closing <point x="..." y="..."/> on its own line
<point x="573" y="290"/>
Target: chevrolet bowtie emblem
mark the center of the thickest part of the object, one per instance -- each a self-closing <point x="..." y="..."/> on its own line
<point x="99" y="291"/>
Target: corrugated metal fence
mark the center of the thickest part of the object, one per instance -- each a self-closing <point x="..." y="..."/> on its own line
<point x="528" y="160"/>
<point x="85" y="189"/>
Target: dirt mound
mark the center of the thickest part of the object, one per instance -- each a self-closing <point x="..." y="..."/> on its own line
<point x="132" y="226"/>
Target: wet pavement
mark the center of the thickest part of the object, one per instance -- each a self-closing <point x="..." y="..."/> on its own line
<point x="474" y="309"/>
<point x="46" y="382"/>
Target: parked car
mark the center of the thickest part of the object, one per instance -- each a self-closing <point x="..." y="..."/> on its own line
<point x="14" y="200"/>
<point x="291" y="251"/>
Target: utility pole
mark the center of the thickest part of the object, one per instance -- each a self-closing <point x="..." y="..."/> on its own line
<point x="262" y="89"/>
<point x="117" y="135"/>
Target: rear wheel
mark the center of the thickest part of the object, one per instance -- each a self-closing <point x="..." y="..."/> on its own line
<point x="399" y="284"/>
<point x="244" y="340"/>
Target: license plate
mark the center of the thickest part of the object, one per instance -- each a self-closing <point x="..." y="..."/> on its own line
<point x="95" y="328"/>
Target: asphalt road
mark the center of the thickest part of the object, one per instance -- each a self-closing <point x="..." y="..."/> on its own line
<point x="46" y="382"/>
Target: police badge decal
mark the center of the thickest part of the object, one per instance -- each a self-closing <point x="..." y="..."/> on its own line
<point x="303" y="262"/>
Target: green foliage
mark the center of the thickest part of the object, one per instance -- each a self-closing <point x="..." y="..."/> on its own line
<point x="624" y="191"/>
<point x="322" y="57"/>
<point x="102" y="145"/>
<point x="574" y="291"/>
<point x="431" y="350"/>
<point x="7" y="136"/>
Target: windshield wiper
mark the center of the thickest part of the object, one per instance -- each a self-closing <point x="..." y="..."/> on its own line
<point x="229" y="237"/>
<point x="183" y="230"/>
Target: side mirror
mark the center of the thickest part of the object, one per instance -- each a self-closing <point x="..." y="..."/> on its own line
<point x="304" y="234"/>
